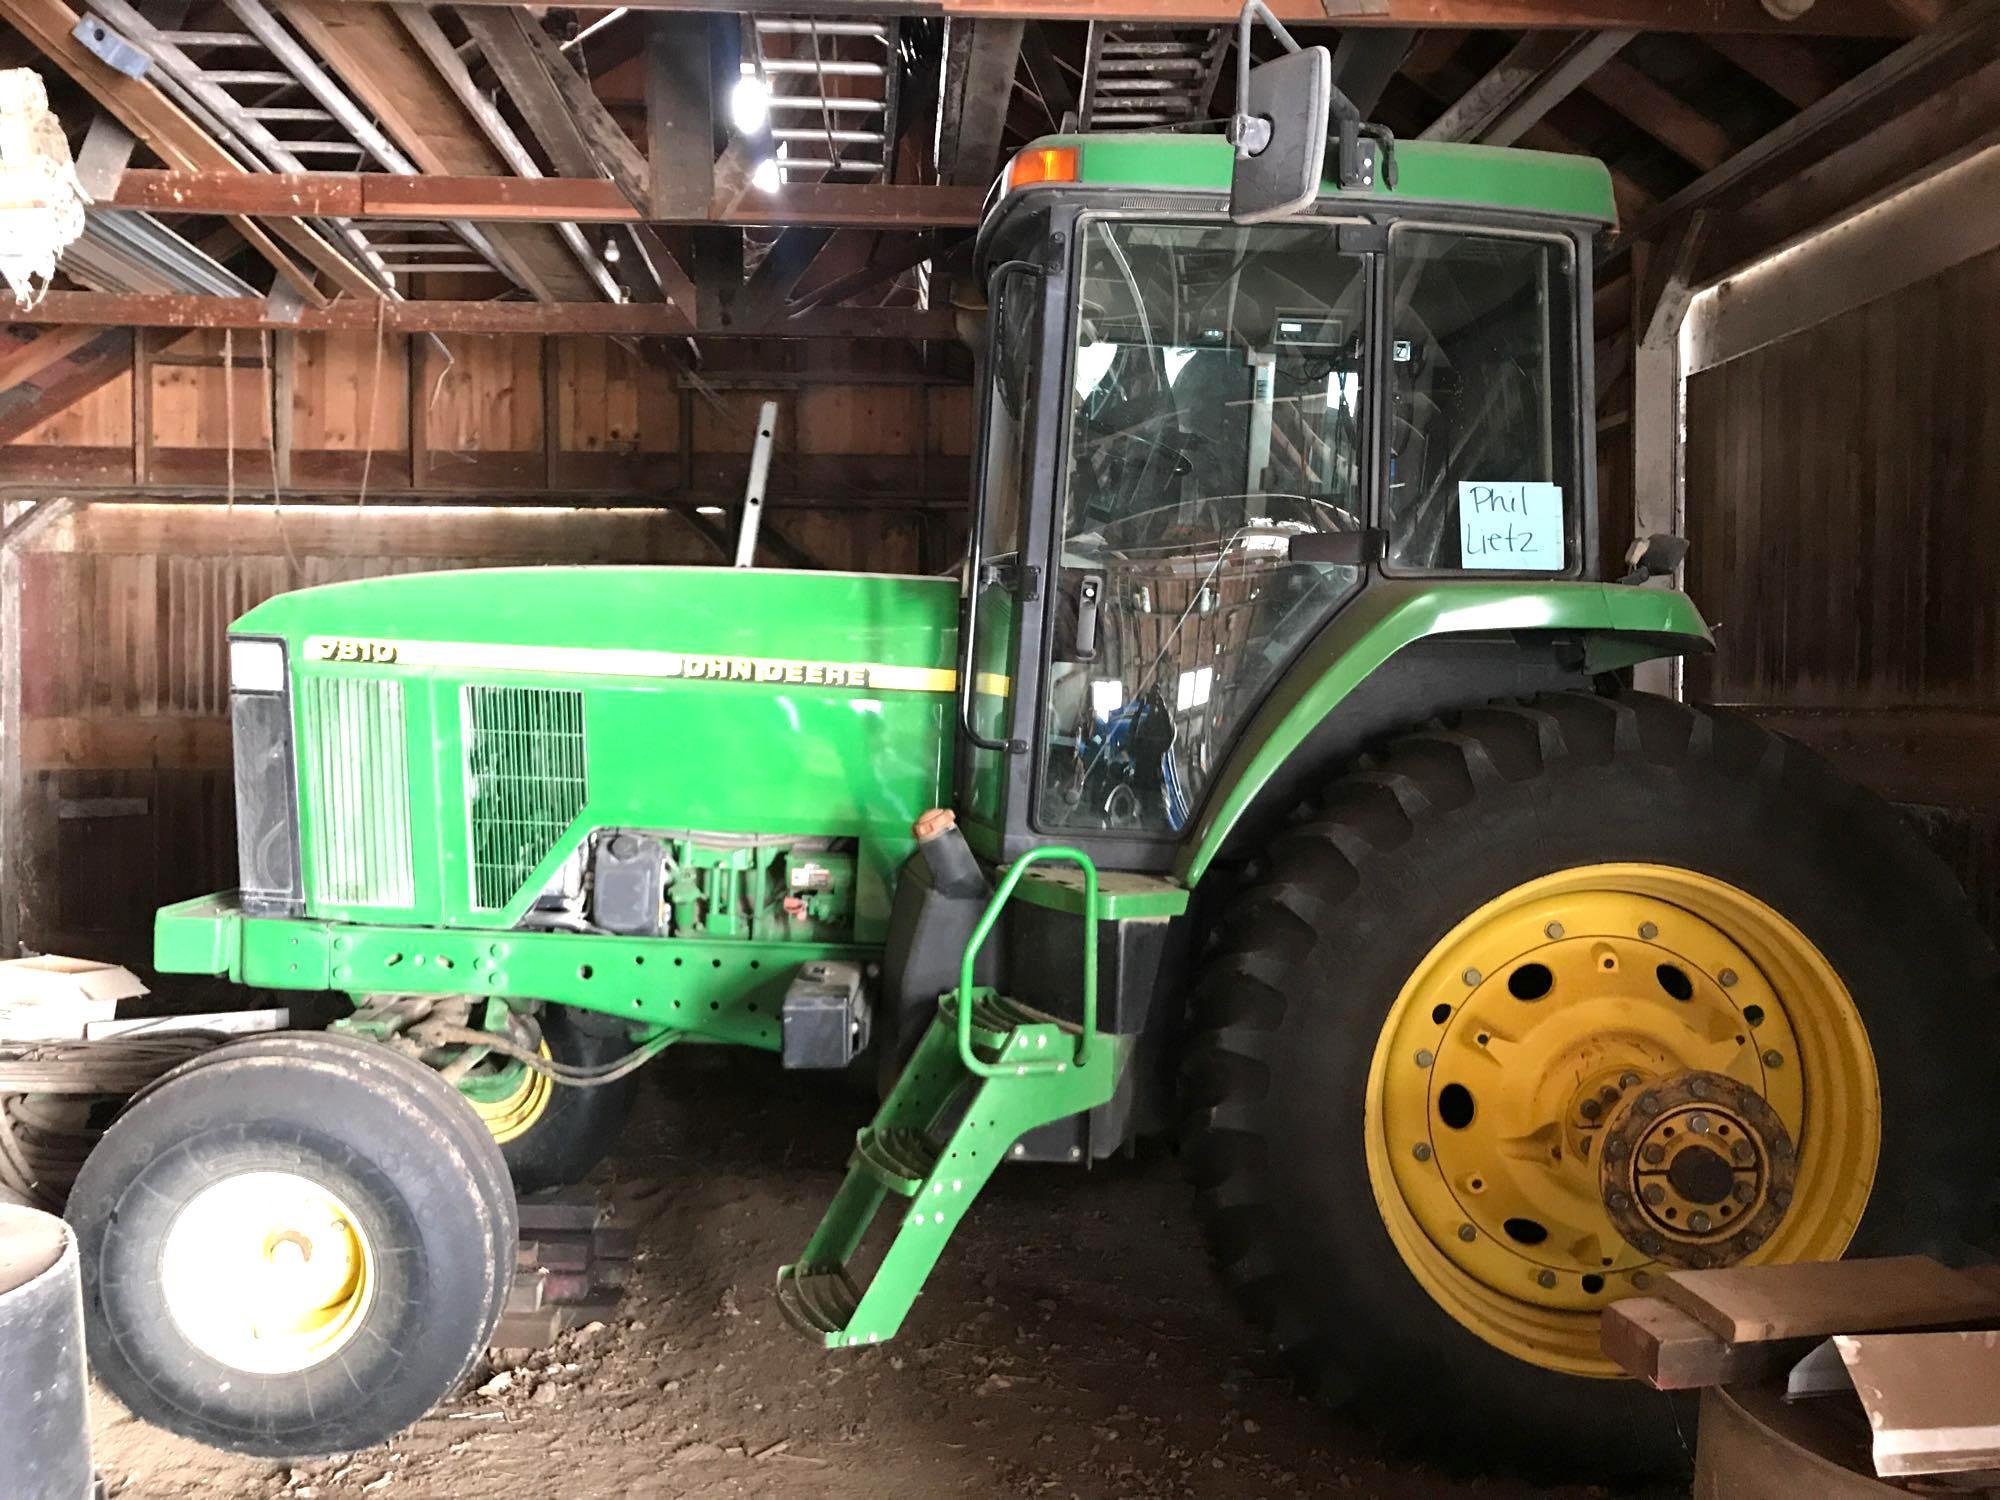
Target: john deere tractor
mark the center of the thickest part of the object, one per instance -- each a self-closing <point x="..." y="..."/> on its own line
<point x="1271" y="777"/>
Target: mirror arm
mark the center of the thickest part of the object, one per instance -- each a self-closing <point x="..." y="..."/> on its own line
<point x="1250" y="134"/>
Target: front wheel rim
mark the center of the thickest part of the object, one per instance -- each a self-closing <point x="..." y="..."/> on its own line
<point x="1514" y="1040"/>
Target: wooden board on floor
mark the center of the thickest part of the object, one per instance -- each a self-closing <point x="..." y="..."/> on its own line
<point x="1754" y="1304"/>
<point x="1671" y="1350"/>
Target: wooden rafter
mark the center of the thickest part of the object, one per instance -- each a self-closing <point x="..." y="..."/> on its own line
<point x="1794" y="70"/>
<point x="1662" y="114"/>
<point x="1825" y="18"/>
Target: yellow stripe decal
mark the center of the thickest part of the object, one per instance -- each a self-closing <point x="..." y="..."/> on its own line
<point x="611" y="661"/>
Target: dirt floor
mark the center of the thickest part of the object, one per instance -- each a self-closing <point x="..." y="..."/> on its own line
<point x="1071" y="1345"/>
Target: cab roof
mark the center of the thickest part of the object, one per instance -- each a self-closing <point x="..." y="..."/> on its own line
<point x="1496" y="177"/>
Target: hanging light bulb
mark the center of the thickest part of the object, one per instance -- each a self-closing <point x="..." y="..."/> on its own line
<point x="765" y="177"/>
<point x="610" y="251"/>
<point x="749" y="104"/>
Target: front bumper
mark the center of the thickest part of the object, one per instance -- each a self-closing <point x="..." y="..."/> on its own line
<point x="202" y="936"/>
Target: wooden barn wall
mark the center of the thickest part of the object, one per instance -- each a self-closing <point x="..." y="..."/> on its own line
<point x="1843" y="499"/>
<point x="125" y="793"/>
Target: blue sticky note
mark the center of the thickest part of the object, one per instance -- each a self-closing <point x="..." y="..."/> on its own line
<point x="1515" y="526"/>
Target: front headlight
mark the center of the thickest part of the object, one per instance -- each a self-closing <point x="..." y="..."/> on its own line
<point x="256" y="666"/>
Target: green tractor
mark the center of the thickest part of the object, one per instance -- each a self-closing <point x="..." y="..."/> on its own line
<point x="1272" y="777"/>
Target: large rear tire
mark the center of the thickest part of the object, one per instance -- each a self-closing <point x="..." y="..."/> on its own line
<point x="1450" y="975"/>
<point x="293" y="1246"/>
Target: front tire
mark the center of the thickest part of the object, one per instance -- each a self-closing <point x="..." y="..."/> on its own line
<point x="551" y="1134"/>
<point x="1450" y="973"/>
<point x="293" y="1246"/>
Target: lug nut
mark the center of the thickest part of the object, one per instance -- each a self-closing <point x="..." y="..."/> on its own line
<point x="1470" y="976"/>
<point x="1654" y="1155"/>
<point x="1698" y="1087"/>
<point x="1591" y="1109"/>
<point x="1628" y="1080"/>
<point x="1553" y="931"/>
<point x="1421" y="1151"/>
<point x="1648" y="931"/>
<point x="1699" y="1124"/>
<point x="1774" y="1058"/>
<point x="1467" y="1233"/>
<point x="1649" y="1105"/>
<point x="1620" y="1202"/>
<point x="1655" y="1193"/>
<point x="1614" y="1147"/>
<point x="1650" y="1243"/>
<point x="1782" y="1197"/>
<point x="1546" y="1280"/>
<point x="1425" y="1057"/>
<point x="1698" y="1222"/>
<point x="1743" y="1153"/>
<point x="1727" y="978"/>
<point x="1608" y="1094"/>
<point x="1744" y="1192"/>
<point x="1641" y="1280"/>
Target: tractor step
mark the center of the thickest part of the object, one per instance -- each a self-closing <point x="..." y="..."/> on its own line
<point x="938" y="1139"/>
<point x="987" y="1071"/>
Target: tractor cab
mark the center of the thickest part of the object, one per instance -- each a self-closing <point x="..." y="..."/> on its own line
<point x="1203" y="440"/>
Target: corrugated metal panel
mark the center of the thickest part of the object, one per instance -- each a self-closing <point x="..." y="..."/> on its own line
<point x="524" y="750"/>
<point x="355" y="764"/>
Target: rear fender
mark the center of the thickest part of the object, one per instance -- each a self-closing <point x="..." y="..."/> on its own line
<point x="1406" y="650"/>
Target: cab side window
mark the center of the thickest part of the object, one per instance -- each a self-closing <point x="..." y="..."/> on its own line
<point x="1482" y="472"/>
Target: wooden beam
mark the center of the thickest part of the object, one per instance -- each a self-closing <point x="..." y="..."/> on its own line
<point x="24" y="359"/>
<point x="638" y="319"/>
<point x="481" y="199"/>
<point x="1826" y="18"/>
<point x="978" y="88"/>
<point x="1536" y="75"/>
<point x="92" y="367"/>
<point x="680" y="117"/>
<point x="1662" y="114"/>
<point x="769" y="290"/>
<point x="1050" y="80"/>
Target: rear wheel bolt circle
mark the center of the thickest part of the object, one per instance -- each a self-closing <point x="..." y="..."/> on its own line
<point x="1467" y="1233"/>
<point x="1649" y="930"/>
<point x="1546" y="1280"/>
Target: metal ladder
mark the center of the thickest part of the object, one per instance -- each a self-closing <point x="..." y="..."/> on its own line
<point x="987" y="1071"/>
<point x="262" y="94"/>
<point x="833" y="90"/>
<point x="1144" y="77"/>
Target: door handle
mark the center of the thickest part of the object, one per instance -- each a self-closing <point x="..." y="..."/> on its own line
<point x="1088" y="592"/>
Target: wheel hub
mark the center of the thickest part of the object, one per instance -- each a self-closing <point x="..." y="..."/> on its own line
<point x="1697" y="1170"/>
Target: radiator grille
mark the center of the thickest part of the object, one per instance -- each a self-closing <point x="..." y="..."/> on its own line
<point x="525" y="768"/>
<point x="358" y="790"/>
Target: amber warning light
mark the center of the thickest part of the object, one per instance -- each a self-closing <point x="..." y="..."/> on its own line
<point x="1042" y="164"/>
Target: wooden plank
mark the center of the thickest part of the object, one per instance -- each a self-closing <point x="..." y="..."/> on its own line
<point x="978" y="88"/>
<point x="502" y="199"/>
<point x="1671" y="1350"/>
<point x="1932" y="1399"/>
<point x="27" y="358"/>
<point x="637" y="319"/>
<point x="1759" y="1304"/>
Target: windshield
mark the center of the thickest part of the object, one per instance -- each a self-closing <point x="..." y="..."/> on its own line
<point x="1215" y="414"/>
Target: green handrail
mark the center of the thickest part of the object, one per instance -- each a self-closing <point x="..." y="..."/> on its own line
<point x="987" y="918"/>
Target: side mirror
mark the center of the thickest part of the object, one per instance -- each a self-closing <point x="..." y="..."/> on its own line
<point x="1280" y="133"/>
<point x="1654" y="556"/>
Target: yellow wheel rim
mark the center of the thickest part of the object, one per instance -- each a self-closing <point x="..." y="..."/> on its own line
<point x="267" y="1272"/>
<point x="516" y="1112"/>
<point x="1489" y="1089"/>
